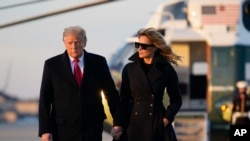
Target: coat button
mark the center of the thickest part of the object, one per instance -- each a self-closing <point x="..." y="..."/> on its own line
<point x="136" y="113"/>
<point x="150" y="114"/>
<point x="151" y="105"/>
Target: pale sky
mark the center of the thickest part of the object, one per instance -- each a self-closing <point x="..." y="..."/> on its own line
<point x="25" y="47"/>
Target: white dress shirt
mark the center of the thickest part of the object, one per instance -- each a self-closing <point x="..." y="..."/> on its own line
<point x="80" y="63"/>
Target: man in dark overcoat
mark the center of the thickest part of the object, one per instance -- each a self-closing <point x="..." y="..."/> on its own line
<point x="71" y="111"/>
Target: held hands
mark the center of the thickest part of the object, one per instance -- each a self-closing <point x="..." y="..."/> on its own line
<point x="47" y="137"/>
<point x="165" y="122"/>
<point x="116" y="132"/>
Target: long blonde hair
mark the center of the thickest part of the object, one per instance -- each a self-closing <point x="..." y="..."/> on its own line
<point x="159" y="42"/>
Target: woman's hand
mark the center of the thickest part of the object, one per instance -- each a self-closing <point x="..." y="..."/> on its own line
<point x="47" y="137"/>
<point x="165" y="122"/>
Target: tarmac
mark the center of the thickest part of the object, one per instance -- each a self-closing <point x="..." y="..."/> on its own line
<point x="26" y="130"/>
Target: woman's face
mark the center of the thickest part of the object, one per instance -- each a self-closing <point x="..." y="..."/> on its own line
<point x="148" y="50"/>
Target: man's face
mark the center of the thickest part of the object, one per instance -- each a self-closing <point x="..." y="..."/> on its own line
<point x="74" y="45"/>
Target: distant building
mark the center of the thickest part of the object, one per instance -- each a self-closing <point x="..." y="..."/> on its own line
<point x="12" y="108"/>
<point x="7" y="108"/>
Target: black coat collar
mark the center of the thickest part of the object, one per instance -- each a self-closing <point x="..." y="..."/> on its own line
<point x="158" y="58"/>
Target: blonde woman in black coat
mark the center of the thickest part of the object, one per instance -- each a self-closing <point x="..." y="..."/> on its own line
<point x="144" y="81"/>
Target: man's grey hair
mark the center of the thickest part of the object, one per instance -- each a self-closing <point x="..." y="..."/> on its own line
<point x="75" y="30"/>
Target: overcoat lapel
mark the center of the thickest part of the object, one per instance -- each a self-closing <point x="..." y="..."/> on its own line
<point x="87" y="68"/>
<point x="154" y="74"/>
<point x="68" y="70"/>
<point x="142" y="77"/>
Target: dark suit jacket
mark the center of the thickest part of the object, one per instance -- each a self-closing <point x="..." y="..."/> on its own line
<point x="67" y="110"/>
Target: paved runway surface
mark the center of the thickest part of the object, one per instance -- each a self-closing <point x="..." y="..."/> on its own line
<point x="26" y="130"/>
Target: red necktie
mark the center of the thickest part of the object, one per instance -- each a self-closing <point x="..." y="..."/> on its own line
<point x="77" y="72"/>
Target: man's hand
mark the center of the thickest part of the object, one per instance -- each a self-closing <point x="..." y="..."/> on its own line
<point x="116" y="132"/>
<point x="47" y="137"/>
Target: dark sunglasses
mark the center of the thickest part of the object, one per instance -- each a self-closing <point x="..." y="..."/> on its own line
<point x="143" y="46"/>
